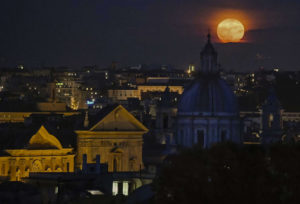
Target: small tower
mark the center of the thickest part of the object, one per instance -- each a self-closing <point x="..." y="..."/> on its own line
<point x="165" y="117"/>
<point x="86" y="119"/>
<point x="272" y="119"/>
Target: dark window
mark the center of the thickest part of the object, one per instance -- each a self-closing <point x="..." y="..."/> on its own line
<point x="181" y="137"/>
<point x="165" y="121"/>
<point x="68" y="166"/>
<point x="120" y="188"/>
<point x="223" y="135"/>
<point x="200" y="137"/>
<point x="115" y="165"/>
<point x="131" y="187"/>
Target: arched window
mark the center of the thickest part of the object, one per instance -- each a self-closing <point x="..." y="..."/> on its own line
<point x="36" y="166"/>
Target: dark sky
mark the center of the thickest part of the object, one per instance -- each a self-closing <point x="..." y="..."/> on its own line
<point x="96" y="32"/>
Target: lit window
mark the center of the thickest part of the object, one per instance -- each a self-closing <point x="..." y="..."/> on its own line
<point x="270" y="122"/>
<point x="125" y="188"/>
<point x="56" y="190"/>
<point x="115" y="188"/>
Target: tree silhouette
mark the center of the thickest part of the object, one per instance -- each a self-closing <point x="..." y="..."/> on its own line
<point x="227" y="173"/>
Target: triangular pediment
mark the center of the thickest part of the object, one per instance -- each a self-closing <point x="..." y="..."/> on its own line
<point x="116" y="150"/>
<point x="119" y="119"/>
<point x="44" y="140"/>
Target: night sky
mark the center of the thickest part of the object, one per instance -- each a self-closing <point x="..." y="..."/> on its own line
<point x="76" y="33"/>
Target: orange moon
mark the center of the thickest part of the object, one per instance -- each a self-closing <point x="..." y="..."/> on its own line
<point x="230" y="30"/>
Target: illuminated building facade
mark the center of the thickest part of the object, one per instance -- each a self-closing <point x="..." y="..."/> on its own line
<point x="44" y="153"/>
<point x="125" y="93"/>
<point x="166" y="117"/>
<point x="117" y="138"/>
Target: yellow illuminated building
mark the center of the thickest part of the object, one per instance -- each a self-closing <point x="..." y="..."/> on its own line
<point x="44" y="153"/>
<point x="124" y="94"/>
<point x="117" y="138"/>
<point x="159" y="88"/>
<point x="20" y="117"/>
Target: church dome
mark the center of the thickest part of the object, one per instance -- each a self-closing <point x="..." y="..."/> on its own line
<point x="208" y="95"/>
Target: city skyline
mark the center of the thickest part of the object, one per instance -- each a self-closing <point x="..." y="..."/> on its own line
<point x="104" y="102"/>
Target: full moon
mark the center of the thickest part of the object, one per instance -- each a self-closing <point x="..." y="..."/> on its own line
<point x="230" y="30"/>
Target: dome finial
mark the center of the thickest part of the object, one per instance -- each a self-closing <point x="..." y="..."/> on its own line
<point x="208" y="57"/>
<point x="208" y="35"/>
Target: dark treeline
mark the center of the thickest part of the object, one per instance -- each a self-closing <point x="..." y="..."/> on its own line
<point x="227" y="173"/>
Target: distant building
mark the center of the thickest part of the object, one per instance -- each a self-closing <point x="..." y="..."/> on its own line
<point x="166" y="117"/>
<point x="52" y="104"/>
<point x="122" y="94"/>
<point x="13" y="112"/>
<point x="272" y="120"/>
<point x="159" y="88"/>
